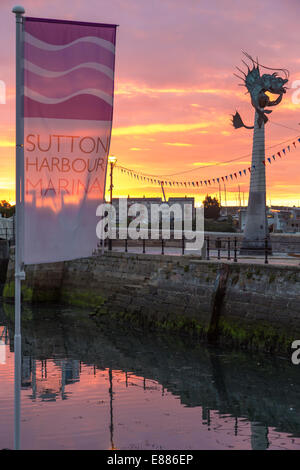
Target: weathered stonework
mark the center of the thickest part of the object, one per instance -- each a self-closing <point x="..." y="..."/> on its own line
<point x="251" y="306"/>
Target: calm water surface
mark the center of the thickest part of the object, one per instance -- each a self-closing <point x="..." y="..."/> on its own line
<point x="86" y="385"/>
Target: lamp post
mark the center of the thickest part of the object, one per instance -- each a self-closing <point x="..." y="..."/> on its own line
<point x="112" y="160"/>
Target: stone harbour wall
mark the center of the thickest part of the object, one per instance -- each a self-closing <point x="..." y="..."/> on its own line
<point x="245" y="305"/>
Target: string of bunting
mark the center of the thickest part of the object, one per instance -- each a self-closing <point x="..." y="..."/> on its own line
<point x="207" y="182"/>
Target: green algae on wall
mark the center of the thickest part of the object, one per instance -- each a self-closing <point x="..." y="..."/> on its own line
<point x="9" y="292"/>
<point x="9" y="310"/>
<point x="30" y="294"/>
<point x="259" y="308"/>
<point x="172" y="324"/>
<point x="255" y="335"/>
<point x="84" y="298"/>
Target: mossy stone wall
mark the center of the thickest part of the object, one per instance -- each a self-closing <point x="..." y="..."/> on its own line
<point x="259" y="306"/>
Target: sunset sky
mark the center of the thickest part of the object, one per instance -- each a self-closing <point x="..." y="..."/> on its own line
<point x="175" y="90"/>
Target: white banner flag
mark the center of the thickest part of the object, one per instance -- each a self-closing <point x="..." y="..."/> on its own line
<point x="68" y="107"/>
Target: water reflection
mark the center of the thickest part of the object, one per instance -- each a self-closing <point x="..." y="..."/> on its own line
<point x="146" y="391"/>
<point x="35" y="377"/>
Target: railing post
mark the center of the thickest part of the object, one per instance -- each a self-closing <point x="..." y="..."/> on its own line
<point x="266" y="251"/>
<point x="162" y="246"/>
<point x="126" y="245"/>
<point x="144" y="245"/>
<point x="228" y="257"/>
<point x="14" y="231"/>
<point x="110" y="244"/>
<point x="235" y="250"/>
<point x="207" y="248"/>
<point x="183" y="243"/>
<point x="219" y="247"/>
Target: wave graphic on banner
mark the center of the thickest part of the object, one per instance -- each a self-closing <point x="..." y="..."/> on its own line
<point x="54" y="74"/>
<point x="71" y="81"/>
<point x="54" y="47"/>
<point x="47" y="100"/>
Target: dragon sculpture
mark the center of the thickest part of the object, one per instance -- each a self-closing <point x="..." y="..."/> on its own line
<point x="258" y="85"/>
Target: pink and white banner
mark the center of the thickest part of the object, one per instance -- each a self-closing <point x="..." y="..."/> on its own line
<point x="68" y="108"/>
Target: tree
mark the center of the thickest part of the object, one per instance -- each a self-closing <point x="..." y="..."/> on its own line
<point x="6" y="209"/>
<point x="211" y="207"/>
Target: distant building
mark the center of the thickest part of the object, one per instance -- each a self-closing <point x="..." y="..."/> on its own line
<point x="120" y="205"/>
<point x="6" y="227"/>
<point x="230" y="210"/>
<point x="280" y="219"/>
<point x="242" y="218"/>
<point x="293" y="222"/>
<point x="182" y="201"/>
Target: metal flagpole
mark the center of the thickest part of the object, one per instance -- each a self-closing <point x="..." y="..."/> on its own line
<point x="19" y="273"/>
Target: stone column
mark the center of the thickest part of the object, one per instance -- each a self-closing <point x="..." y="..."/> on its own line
<point x="256" y="228"/>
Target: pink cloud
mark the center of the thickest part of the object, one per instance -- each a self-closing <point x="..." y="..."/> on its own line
<point x="175" y="45"/>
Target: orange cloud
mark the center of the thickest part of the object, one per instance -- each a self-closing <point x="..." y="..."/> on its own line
<point x="7" y="143"/>
<point x="148" y="129"/>
<point x="178" y="144"/>
<point x="131" y="89"/>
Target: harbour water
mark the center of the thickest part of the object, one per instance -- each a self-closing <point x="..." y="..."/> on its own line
<point x="87" y="385"/>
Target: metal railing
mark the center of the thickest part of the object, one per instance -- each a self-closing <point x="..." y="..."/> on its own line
<point x="219" y="248"/>
<point x="229" y="249"/>
<point x="7" y="233"/>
